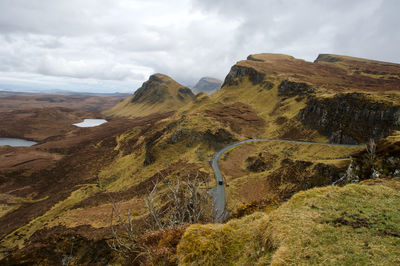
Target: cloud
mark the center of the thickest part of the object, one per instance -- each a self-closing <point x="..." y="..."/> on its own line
<point x="87" y="69"/>
<point x="119" y="43"/>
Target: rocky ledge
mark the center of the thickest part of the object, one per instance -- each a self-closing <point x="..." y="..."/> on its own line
<point x="350" y="118"/>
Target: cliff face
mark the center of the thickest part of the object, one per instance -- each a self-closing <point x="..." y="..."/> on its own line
<point x="344" y="118"/>
<point x="350" y="118"/>
<point x="237" y="73"/>
<point x="289" y="88"/>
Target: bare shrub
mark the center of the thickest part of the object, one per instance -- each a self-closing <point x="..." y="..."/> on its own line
<point x="174" y="202"/>
<point x="187" y="201"/>
<point x="123" y="237"/>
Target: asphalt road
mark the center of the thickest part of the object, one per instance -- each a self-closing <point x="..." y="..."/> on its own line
<point x="218" y="193"/>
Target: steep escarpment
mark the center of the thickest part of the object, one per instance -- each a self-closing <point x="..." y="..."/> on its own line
<point x="351" y="118"/>
<point x="157" y="95"/>
<point x="237" y="73"/>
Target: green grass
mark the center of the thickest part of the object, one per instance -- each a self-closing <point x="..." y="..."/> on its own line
<point x="352" y="225"/>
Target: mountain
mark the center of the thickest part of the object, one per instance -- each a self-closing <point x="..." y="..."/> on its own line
<point x="344" y="99"/>
<point x="61" y="208"/>
<point x="159" y="94"/>
<point x="207" y="85"/>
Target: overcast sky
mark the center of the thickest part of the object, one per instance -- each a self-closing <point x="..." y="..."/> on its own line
<point x="114" y="45"/>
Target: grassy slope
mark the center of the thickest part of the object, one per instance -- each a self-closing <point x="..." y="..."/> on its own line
<point x="355" y="224"/>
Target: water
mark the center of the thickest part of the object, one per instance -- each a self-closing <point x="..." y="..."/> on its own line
<point x="16" y="142"/>
<point x="91" y="123"/>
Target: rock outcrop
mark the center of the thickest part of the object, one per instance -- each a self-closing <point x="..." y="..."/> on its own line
<point x="290" y="88"/>
<point x="350" y="118"/>
<point x="237" y="73"/>
<point x="216" y="140"/>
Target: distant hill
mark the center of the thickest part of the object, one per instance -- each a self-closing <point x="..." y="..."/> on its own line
<point x="207" y="85"/>
<point x="157" y="95"/>
<point x="11" y="100"/>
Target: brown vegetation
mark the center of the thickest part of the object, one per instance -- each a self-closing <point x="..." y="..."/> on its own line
<point x="11" y="101"/>
<point x="340" y="74"/>
<point x="240" y="117"/>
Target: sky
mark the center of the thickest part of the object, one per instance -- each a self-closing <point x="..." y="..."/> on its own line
<point x="114" y="45"/>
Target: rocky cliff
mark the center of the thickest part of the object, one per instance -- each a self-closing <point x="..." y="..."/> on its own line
<point x="237" y="73"/>
<point x="351" y="118"/>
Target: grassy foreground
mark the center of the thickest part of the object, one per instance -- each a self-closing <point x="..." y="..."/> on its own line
<point x="353" y="225"/>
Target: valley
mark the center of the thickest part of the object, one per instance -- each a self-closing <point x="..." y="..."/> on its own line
<point x="271" y="140"/>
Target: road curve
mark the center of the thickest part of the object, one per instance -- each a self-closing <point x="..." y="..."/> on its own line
<point x="218" y="193"/>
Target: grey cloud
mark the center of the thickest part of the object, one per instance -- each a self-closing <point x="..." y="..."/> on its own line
<point x="365" y="28"/>
<point x="121" y="42"/>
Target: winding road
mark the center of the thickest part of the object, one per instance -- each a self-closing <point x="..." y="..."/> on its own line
<point x="218" y="193"/>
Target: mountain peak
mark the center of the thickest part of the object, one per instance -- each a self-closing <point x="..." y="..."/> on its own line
<point x="207" y="85"/>
<point x="159" y="77"/>
<point x="160" y="93"/>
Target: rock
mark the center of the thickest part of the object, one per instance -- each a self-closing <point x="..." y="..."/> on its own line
<point x="350" y="118"/>
<point x="258" y="164"/>
<point x="327" y="171"/>
<point x="178" y="136"/>
<point x="238" y="72"/>
<point x="218" y="139"/>
<point x="290" y="89"/>
<point x="149" y="145"/>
